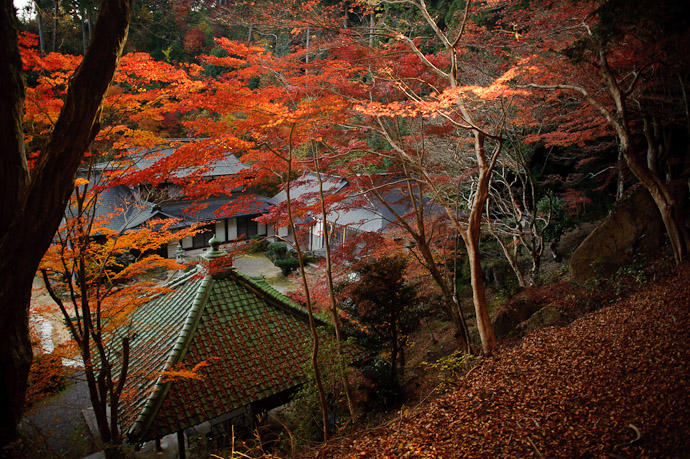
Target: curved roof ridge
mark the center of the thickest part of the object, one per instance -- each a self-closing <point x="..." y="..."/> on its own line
<point x="155" y="398"/>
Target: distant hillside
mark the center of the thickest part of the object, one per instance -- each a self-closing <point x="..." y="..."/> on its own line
<point x="613" y="383"/>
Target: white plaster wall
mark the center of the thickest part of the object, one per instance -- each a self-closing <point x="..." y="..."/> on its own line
<point x="172" y="247"/>
<point x="232" y="229"/>
<point x="220" y="230"/>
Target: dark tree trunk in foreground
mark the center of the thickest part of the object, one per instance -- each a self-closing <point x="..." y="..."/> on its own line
<point x="32" y="204"/>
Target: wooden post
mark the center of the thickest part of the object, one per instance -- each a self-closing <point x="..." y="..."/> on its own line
<point x="180" y="444"/>
<point x="159" y="448"/>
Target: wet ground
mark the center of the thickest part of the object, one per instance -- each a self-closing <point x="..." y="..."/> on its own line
<point x="56" y="428"/>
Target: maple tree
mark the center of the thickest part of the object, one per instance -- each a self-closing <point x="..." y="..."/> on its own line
<point x="271" y="124"/>
<point x="277" y="128"/>
<point x="619" y="66"/>
<point x="444" y="123"/>
<point x="93" y="272"/>
<point x="33" y="200"/>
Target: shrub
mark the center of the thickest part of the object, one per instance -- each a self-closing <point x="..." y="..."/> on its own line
<point x="287" y="265"/>
<point x="276" y="251"/>
<point x="450" y="368"/>
<point x="258" y="245"/>
<point x="46" y="377"/>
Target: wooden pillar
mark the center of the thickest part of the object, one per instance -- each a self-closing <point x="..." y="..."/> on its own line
<point x="180" y="444"/>
<point x="159" y="448"/>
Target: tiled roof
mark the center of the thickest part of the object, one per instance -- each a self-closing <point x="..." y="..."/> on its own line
<point x="228" y="165"/>
<point x="121" y="210"/>
<point x="212" y="208"/>
<point x="307" y="188"/>
<point x="251" y="337"/>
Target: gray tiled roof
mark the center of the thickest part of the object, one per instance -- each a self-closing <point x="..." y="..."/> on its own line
<point x="228" y="165"/>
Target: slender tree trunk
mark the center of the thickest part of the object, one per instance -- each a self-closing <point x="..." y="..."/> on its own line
<point x="512" y="260"/>
<point x="331" y="298"/>
<point x="310" y="309"/>
<point x="41" y="37"/>
<point x="452" y="306"/>
<point x="393" y="323"/>
<point x="56" y="13"/>
<point x="372" y="29"/>
<point x="536" y="266"/>
<point x="84" y="40"/>
<point x="471" y="239"/>
<point x="620" y="182"/>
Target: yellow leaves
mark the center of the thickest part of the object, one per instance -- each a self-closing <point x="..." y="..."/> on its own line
<point x="80" y="181"/>
<point x="183" y="373"/>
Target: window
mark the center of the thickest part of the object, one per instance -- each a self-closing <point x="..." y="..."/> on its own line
<point x="246" y="227"/>
<point x="200" y="240"/>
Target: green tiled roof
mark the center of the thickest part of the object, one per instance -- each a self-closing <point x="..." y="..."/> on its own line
<point x="251" y="337"/>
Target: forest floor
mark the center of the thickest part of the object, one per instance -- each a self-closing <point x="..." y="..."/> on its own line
<point x="613" y="382"/>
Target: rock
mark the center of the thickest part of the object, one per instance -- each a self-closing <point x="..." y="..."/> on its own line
<point x="542" y="318"/>
<point x="632" y="229"/>
<point x="571" y="240"/>
<point x="514" y="313"/>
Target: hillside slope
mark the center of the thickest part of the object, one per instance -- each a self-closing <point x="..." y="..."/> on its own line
<point x="614" y="383"/>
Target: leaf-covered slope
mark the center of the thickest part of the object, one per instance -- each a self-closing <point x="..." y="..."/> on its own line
<point x="584" y="390"/>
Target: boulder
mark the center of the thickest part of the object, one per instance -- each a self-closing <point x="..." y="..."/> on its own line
<point x="544" y="317"/>
<point x="513" y="313"/>
<point x="632" y="231"/>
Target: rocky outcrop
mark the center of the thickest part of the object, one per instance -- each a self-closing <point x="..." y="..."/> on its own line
<point x="633" y="230"/>
<point x="544" y="317"/>
<point x="512" y="314"/>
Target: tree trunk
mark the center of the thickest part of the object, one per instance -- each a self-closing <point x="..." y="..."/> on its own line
<point x="39" y="23"/>
<point x="512" y="260"/>
<point x="471" y="239"/>
<point x="331" y="296"/>
<point x="84" y="41"/>
<point x="32" y="209"/>
<point x="16" y="355"/>
<point x="56" y="13"/>
<point x="676" y="230"/>
<point x="393" y="323"/>
<point x="372" y="29"/>
<point x="449" y="298"/>
<point x="15" y="270"/>
<point x="536" y="267"/>
<point x="310" y="310"/>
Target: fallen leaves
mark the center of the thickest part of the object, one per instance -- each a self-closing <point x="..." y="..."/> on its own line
<point x="611" y="384"/>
